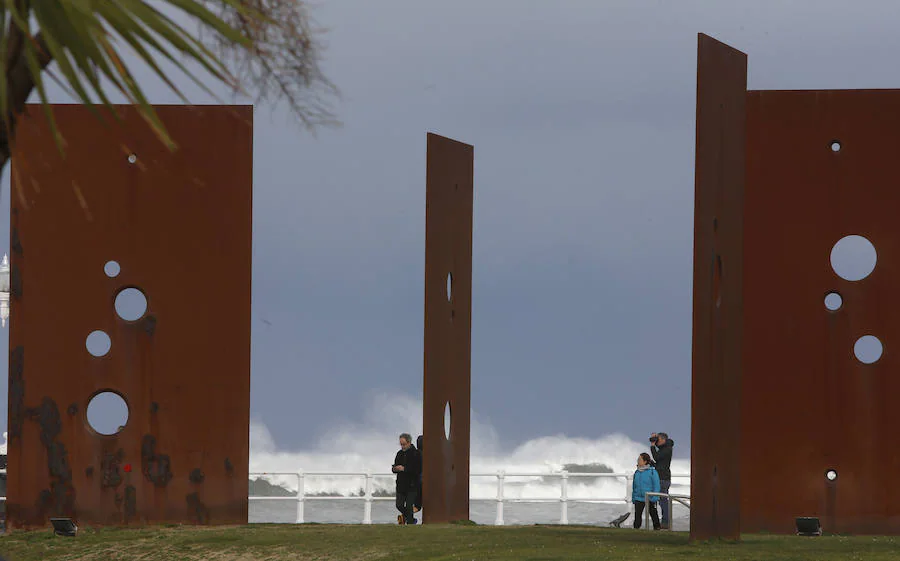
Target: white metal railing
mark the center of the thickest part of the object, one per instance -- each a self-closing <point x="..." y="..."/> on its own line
<point x="683" y="499"/>
<point x="367" y="497"/>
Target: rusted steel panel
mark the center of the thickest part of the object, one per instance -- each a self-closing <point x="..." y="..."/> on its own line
<point x="808" y="404"/>
<point x="179" y="225"/>
<point x="448" y="328"/>
<point x="718" y="303"/>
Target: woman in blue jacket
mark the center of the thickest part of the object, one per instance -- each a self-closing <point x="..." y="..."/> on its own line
<point x="646" y="480"/>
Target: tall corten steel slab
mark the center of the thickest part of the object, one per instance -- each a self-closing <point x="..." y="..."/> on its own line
<point x="718" y="299"/>
<point x="817" y="166"/>
<point x="809" y="405"/>
<point x="179" y="225"/>
<point x="448" y="329"/>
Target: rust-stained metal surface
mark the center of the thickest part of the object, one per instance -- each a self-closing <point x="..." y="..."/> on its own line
<point x="718" y="304"/>
<point x="179" y="225"/>
<point x="448" y="328"/>
<point x="808" y="404"/>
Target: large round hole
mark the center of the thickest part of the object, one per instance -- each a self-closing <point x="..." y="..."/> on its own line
<point x="831" y="475"/>
<point x="868" y="349"/>
<point x="833" y="301"/>
<point x="447" y="421"/>
<point x="98" y="343"/>
<point x="107" y="413"/>
<point x="853" y="258"/>
<point x="131" y="304"/>
<point x="112" y="269"/>
<point x="132" y="158"/>
<point x="449" y="286"/>
<point x="835" y="146"/>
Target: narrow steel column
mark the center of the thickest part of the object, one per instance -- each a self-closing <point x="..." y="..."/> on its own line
<point x="448" y="329"/>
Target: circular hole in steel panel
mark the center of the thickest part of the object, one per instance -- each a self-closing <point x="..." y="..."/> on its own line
<point x="112" y="269"/>
<point x="868" y="349"/>
<point x="835" y="145"/>
<point x="831" y="475"/>
<point x="98" y="343"/>
<point x="833" y="301"/>
<point x="131" y="304"/>
<point x="853" y="258"/>
<point x="447" y="421"/>
<point x="107" y="413"/>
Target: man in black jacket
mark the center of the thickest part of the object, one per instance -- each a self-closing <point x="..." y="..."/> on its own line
<point x="407" y="466"/>
<point x="661" y="448"/>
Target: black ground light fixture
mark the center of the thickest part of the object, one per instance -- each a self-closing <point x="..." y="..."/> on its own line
<point x="64" y="527"/>
<point x="808" y="526"/>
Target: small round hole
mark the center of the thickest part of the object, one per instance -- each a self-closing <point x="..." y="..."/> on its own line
<point x="112" y="269"/>
<point x="868" y="349"/>
<point x="833" y="301"/>
<point x="853" y="258"/>
<point x="835" y="146"/>
<point x="107" y="413"/>
<point x="98" y="343"/>
<point x="831" y="475"/>
<point x="449" y="287"/>
<point x="447" y="421"/>
<point x="131" y="304"/>
<point x="132" y="158"/>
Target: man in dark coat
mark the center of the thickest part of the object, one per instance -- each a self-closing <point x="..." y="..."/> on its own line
<point x="661" y="448"/>
<point x="407" y="466"/>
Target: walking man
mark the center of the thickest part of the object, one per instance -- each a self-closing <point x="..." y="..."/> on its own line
<point x="661" y="448"/>
<point x="407" y="466"/>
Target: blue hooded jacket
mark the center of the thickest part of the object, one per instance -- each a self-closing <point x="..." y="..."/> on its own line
<point x="645" y="481"/>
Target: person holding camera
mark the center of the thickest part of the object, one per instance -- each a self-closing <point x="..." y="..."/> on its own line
<point x="661" y="448"/>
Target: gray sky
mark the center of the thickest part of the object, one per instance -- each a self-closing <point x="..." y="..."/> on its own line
<point x="582" y="117"/>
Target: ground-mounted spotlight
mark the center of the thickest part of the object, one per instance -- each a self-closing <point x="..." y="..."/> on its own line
<point x="808" y="526"/>
<point x="64" y="527"/>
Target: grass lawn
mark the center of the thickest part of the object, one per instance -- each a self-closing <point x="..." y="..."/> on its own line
<point x="401" y="543"/>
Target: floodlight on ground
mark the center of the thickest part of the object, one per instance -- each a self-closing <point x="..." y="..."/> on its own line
<point x="808" y="526"/>
<point x="64" y="527"/>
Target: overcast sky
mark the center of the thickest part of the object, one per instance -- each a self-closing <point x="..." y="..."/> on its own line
<point x="582" y="118"/>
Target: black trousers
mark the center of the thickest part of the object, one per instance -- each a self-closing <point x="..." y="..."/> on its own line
<point x="639" y="515"/>
<point x="406" y="498"/>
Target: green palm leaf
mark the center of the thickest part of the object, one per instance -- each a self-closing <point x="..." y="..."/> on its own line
<point x="86" y="38"/>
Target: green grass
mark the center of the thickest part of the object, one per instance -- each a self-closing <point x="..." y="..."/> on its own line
<point x="401" y="543"/>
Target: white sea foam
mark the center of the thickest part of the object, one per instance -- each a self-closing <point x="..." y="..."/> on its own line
<point x="369" y="445"/>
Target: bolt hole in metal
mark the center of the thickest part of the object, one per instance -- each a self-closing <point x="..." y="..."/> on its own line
<point x="831" y="475"/>
<point x="107" y="413"/>
<point x="835" y="146"/>
<point x="132" y="158"/>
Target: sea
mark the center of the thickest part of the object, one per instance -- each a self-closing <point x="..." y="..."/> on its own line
<point x="369" y="445"/>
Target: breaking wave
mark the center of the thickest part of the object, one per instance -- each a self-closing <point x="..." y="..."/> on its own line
<point x="368" y="446"/>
